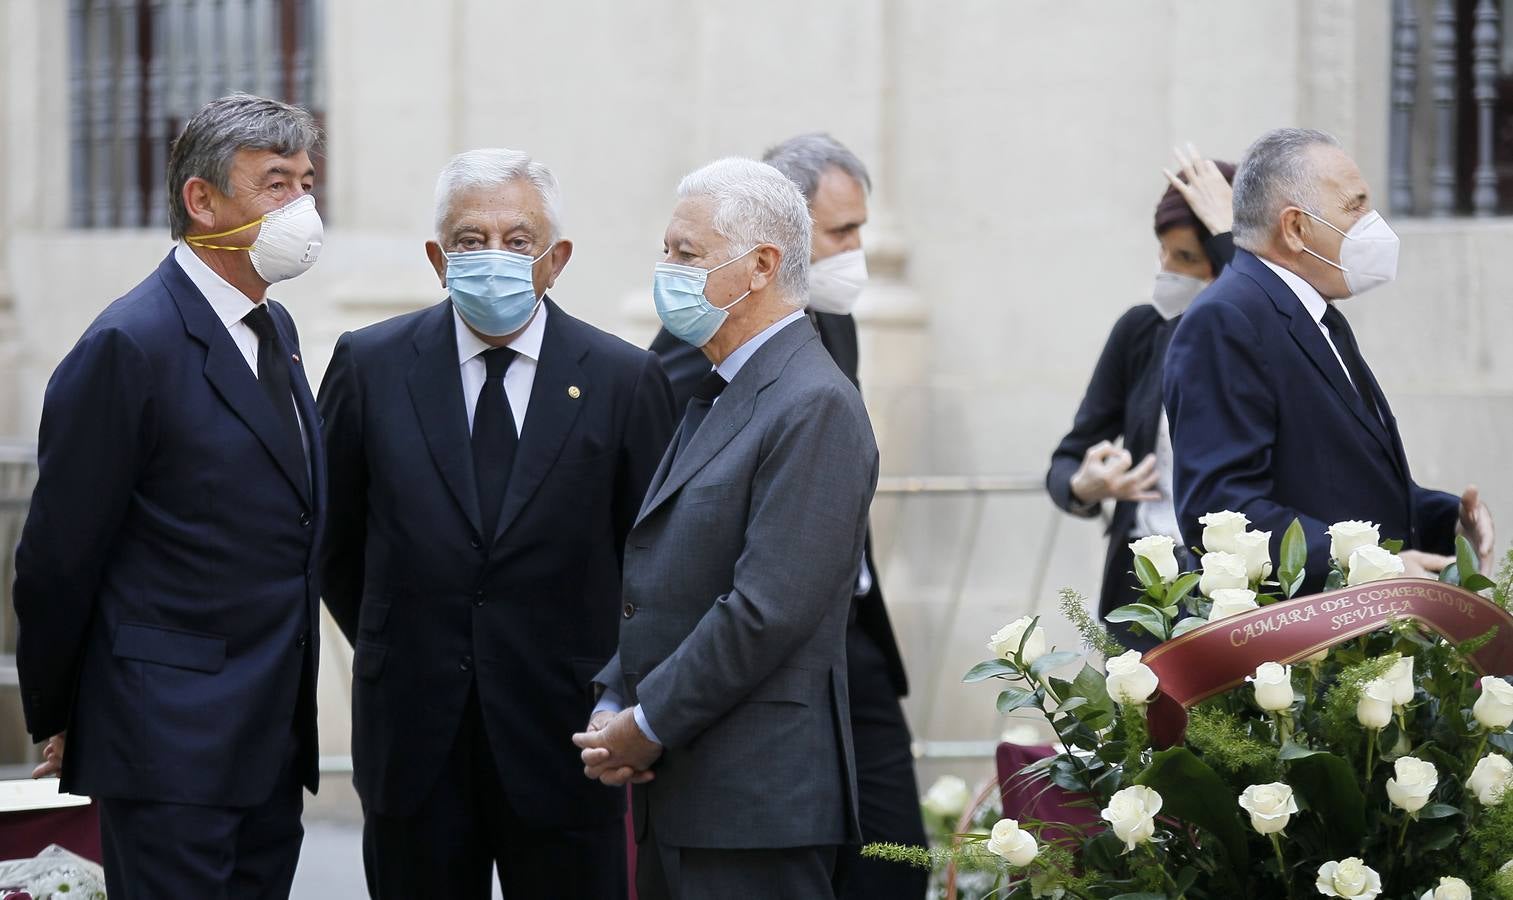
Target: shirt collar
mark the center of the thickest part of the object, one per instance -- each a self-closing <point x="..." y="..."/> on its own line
<point x="742" y="354"/>
<point x="230" y="305"/>
<point x="527" y="343"/>
<point x="1312" y="300"/>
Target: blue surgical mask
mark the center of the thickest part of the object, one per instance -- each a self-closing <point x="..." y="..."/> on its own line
<point x="681" y="305"/>
<point x="493" y="290"/>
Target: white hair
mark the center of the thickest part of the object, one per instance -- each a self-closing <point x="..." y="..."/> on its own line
<point x="756" y="204"/>
<point x="491" y="167"/>
<point x="1277" y="171"/>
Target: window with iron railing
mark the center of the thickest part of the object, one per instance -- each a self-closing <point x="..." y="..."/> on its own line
<point x="1451" y="151"/>
<point x="138" y="69"/>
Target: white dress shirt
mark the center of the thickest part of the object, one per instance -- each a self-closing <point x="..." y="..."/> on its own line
<point x="231" y="306"/>
<point x="518" y="378"/>
<point x="1316" y="305"/>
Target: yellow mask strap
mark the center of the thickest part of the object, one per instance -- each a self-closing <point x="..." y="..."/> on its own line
<point x="198" y="240"/>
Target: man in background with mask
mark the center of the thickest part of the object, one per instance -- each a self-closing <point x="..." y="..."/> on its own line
<point x="488" y="455"/>
<point x="727" y="700"/>
<point x="165" y="582"/>
<point x="1274" y="413"/>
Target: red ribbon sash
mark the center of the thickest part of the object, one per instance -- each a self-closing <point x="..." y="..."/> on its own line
<point x="1218" y="656"/>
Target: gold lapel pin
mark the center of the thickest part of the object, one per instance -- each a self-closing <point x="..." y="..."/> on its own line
<point x="573" y="392"/>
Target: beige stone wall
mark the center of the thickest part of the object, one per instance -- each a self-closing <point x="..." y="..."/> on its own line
<point x="1016" y="149"/>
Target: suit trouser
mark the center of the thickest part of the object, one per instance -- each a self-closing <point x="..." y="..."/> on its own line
<point x="466" y="828"/>
<point x="156" y="850"/>
<point x="666" y="872"/>
<point x="887" y="793"/>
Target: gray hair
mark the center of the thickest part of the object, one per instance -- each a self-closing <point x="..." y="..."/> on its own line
<point x="492" y="167"/>
<point x="211" y="138"/>
<point x="756" y="204"/>
<point x="1277" y="172"/>
<point x="806" y="157"/>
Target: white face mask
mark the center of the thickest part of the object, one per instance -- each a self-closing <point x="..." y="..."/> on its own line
<point x="287" y="245"/>
<point x="1368" y="255"/>
<point x="836" y="282"/>
<point x="1172" y="294"/>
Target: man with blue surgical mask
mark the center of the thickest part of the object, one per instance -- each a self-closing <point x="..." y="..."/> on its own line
<point x="490" y="455"/>
<point x="1274" y="412"/>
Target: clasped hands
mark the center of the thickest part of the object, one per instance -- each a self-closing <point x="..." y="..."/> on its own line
<point x="615" y="751"/>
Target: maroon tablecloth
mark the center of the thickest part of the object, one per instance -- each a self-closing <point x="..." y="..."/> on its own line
<point x="76" y="828"/>
<point x="1035" y="798"/>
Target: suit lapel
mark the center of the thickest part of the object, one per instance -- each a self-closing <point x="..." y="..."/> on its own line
<point x="730" y="414"/>
<point x="1307" y="335"/>
<point x="550" y="414"/>
<point x="435" y="382"/>
<point x="227" y="371"/>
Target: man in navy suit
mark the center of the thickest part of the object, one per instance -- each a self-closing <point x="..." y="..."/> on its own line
<point x="1274" y="412"/>
<point x="488" y="456"/>
<point x="165" y="580"/>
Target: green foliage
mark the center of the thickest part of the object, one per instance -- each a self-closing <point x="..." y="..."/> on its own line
<point x="1502" y="589"/>
<point x="1225" y="742"/>
<point x="1338" y="721"/>
<point x="1094" y="636"/>
<point x="1189" y="788"/>
<point x="1488" y="847"/>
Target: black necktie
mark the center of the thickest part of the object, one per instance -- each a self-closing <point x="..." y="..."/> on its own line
<point x="698" y="408"/>
<point x="273" y="373"/>
<point x="1350" y="355"/>
<point x="494" y="438"/>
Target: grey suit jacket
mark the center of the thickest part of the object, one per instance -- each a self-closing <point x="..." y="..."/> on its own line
<point x="738" y="578"/>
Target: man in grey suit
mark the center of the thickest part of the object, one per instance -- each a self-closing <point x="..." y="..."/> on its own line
<point x="726" y="704"/>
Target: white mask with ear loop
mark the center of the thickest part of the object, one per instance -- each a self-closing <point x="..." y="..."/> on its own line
<point x="1368" y="253"/>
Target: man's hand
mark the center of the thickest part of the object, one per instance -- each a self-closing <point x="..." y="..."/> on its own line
<point x="1105" y="474"/>
<point x="52" y="757"/>
<point x="1476" y="524"/>
<point x="615" y="751"/>
<point x="1418" y="564"/>
<point x="1205" y="190"/>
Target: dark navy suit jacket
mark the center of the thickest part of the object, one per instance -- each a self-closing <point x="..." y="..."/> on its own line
<point x="165" y="581"/>
<point x="1265" y="422"/>
<point x="435" y="609"/>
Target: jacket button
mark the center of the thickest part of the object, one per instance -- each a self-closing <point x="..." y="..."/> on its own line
<point x="475" y="543"/>
<point x="302" y="640"/>
<point x="630" y="610"/>
<point x="478" y="598"/>
<point x="466" y="664"/>
<point x="304" y="520"/>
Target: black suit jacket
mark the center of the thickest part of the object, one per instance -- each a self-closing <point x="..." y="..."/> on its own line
<point x="165" y="581"/>
<point x="685" y="364"/>
<point x="1265" y="422"/>
<point x="432" y="606"/>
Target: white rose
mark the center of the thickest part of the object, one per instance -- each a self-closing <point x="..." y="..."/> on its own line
<point x="1491" y="778"/>
<point x="1132" y="814"/>
<point x="1372" y="564"/>
<point x="1494" y="708"/>
<point x="1005" y="642"/>
<point x="1014" y="845"/>
<point x="1273" y="683"/>
<point x="1255" y="548"/>
<point x="1231" y="602"/>
<point x="1223" y="570"/>
<point x="1270" y="806"/>
<point x="1450" y="888"/>
<point x="1375" y="707"/>
<point x="1220" y="530"/>
<point x="1129" y="681"/>
<point x="1347" y="537"/>
<point x="1160" y="551"/>
<point x="1349" y="877"/>
<point x="1400" y="676"/>
<point x="1414" y="783"/>
<point x="948" y="797"/>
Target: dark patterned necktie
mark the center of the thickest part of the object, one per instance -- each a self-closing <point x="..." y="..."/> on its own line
<point x="494" y="438"/>
<point x="698" y="408"/>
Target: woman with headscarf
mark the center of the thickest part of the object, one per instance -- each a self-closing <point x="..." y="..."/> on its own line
<point x="1123" y="400"/>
